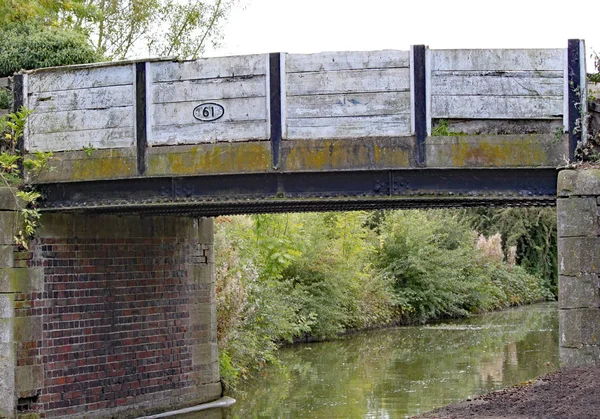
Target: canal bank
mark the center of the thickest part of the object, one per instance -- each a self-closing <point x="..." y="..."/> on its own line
<point x="572" y="393"/>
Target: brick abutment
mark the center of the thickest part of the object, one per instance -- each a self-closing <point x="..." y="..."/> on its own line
<point x="107" y="316"/>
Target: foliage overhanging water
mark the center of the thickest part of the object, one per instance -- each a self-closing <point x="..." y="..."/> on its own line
<point x="399" y="372"/>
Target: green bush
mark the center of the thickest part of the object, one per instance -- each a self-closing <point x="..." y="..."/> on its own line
<point x="292" y="276"/>
<point x="29" y="46"/>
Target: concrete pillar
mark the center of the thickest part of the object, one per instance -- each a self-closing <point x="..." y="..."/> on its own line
<point x="579" y="266"/>
<point x="108" y="316"/>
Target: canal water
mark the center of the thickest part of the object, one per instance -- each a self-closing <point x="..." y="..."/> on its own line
<point x="405" y="371"/>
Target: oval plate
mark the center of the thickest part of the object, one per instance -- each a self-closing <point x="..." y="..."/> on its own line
<point x="208" y="112"/>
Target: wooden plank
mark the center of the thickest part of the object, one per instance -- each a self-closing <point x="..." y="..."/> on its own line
<point x="76" y="140"/>
<point x="394" y="79"/>
<point x="209" y="68"/>
<point x="4" y="82"/>
<point x="495" y="83"/>
<point x="497" y="59"/>
<point x="81" y="79"/>
<point x="209" y="89"/>
<point x="79" y="120"/>
<point x="94" y="98"/>
<point x="241" y="109"/>
<point x="207" y="133"/>
<point x="497" y="107"/>
<point x="347" y="60"/>
<point x="349" y="104"/>
<point x="349" y="127"/>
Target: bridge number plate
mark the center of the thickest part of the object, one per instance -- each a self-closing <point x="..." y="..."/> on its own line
<point x="208" y="112"/>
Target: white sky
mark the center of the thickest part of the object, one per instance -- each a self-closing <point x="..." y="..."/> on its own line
<point x="304" y="26"/>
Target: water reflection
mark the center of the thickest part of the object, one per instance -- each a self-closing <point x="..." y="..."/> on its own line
<point x="399" y="372"/>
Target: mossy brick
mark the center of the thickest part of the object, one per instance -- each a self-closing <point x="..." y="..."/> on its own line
<point x="9" y="222"/>
<point x="579" y="327"/>
<point x="7" y="306"/>
<point x="205" y="353"/>
<point x="6" y="255"/>
<point x="56" y="225"/>
<point x="579" y="292"/>
<point x="21" y="279"/>
<point x="206" y="230"/>
<point x="9" y="200"/>
<point x="580" y="182"/>
<point x="30" y="415"/>
<point x="577" y="216"/>
<point x="578" y="255"/>
<point x="28" y="329"/>
<point x="7" y="380"/>
<point x="29" y="379"/>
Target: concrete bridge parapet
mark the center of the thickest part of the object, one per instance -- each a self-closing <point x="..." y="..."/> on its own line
<point x="578" y="213"/>
<point x="107" y="316"/>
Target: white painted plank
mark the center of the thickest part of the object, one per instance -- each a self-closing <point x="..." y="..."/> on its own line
<point x="208" y="68"/>
<point x="507" y="84"/>
<point x="349" y="127"/>
<point x="94" y="98"/>
<point x="394" y="79"/>
<point x="243" y="109"/>
<point x="347" y="60"/>
<point x="497" y="59"/>
<point x="80" y="79"/>
<point x="76" y="140"/>
<point x="350" y="104"/>
<point x="207" y="133"/>
<point x="209" y="89"/>
<point x="495" y="107"/>
<point x="80" y="120"/>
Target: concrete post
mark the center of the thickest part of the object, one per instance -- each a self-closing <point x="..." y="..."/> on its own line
<point x="579" y="266"/>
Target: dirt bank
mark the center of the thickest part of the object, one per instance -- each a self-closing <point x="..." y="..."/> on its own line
<point x="569" y="393"/>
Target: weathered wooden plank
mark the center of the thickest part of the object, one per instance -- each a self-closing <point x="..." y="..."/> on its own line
<point x="209" y="89"/>
<point x="88" y="119"/>
<point x="349" y="104"/>
<point x="208" y="133"/>
<point x="240" y="109"/>
<point x="498" y="59"/>
<point x="209" y="68"/>
<point x="495" y="83"/>
<point x="497" y="107"/>
<point x="76" y="140"/>
<point x="393" y="79"/>
<point x="80" y="79"/>
<point x="349" y="127"/>
<point x="94" y="98"/>
<point x="347" y="60"/>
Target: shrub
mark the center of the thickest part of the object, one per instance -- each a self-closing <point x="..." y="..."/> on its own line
<point x="28" y="46"/>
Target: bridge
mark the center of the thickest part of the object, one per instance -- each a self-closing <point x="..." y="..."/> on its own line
<point x="281" y="132"/>
<point x="112" y="310"/>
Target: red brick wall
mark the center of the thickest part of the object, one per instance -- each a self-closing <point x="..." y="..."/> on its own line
<point x="127" y="322"/>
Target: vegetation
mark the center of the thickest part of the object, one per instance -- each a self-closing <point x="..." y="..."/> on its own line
<point x="112" y="29"/>
<point x="282" y="278"/>
<point x="27" y="46"/>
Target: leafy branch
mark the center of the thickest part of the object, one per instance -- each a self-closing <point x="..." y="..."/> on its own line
<point x="17" y="173"/>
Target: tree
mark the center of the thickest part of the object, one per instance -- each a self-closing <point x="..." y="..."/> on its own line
<point x="126" y="28"/>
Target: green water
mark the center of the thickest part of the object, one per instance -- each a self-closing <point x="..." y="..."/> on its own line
<point x="400" y="372"/>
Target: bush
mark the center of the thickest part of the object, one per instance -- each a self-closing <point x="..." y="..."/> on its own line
<point x="29" y="46"/>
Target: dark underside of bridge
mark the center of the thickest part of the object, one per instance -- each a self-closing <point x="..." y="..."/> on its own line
<point x="306" y="191"/>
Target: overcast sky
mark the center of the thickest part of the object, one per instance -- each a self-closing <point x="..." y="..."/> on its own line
<point x="344" y="25"/>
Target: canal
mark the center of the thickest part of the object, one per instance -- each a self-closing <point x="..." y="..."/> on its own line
<point x="404" y="371"/>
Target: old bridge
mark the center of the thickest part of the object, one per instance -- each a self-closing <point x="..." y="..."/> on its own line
<point x="113" y="309"/>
